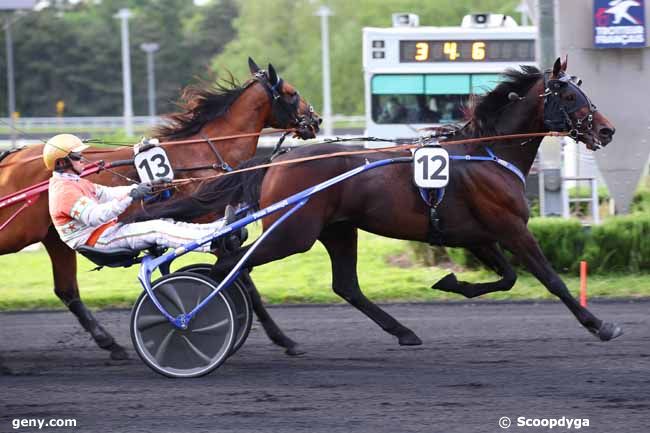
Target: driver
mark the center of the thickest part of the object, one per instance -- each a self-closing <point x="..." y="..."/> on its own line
<point x="85" y="213"/>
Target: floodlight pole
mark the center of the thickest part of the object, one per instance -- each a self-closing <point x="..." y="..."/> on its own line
<point x="11" y="84"/>
<point x="124" y="15"/>
<point x="150" y="49"/>
<point x="324" y="13"/>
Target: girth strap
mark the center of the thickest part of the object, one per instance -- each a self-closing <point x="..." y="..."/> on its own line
<point x="435" y="235"/>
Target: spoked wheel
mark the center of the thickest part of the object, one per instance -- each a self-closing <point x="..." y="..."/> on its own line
<point x="192" y="352"/>
<point x="240" y="299"/>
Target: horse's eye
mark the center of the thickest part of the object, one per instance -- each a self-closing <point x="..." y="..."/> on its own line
<point x="570" y="97"/>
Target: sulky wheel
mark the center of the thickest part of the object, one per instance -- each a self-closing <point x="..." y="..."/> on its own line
<point x="240" y="299"/>
<point x="174" y="352"/>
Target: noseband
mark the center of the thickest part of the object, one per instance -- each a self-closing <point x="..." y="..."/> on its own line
<point x="558" y="111"/>
<point x="285" y="112"/>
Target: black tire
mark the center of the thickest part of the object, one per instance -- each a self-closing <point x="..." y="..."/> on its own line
<point x="240" y="299"/>
<point x="193" y="352"/>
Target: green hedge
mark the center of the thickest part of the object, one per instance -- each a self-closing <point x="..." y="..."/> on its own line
<point x="619" y="244"/>
<point x="641" y="201"/>
<point x="561" y="240"/>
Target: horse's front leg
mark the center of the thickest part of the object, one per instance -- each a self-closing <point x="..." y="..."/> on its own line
<point x="491" y="256"/>
<point x="272" y="330"/>
<point x="523" y="245"/>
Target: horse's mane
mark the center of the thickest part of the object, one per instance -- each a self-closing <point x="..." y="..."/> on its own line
<point x="484" y="111"/>
<point x="199" y="104"/>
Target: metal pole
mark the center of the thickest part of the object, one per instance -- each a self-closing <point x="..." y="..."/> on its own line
<point x="324" y="13"/>
<point x="546" y="53"/>
<point x="124" y="15"/>
<point x="546" y="33"/>
<point x="11" y="85"/>
<point x="150" y="49"/>
<point x="523" y="11"/>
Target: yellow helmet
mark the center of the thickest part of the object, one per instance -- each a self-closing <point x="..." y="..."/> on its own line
<point x="61" y="146"/>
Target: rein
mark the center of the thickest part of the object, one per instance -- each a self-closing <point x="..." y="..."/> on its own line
<point x="194" y="140"/>
<point x="369" y="151"/>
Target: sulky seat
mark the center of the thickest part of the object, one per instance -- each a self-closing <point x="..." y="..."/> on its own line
<point x="115" y="257"/>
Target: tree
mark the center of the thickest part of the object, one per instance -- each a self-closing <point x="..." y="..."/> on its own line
<point x="287" y="34"/>
<point x="72" y="52"/>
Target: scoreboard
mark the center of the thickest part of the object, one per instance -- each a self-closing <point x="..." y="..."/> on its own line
<point x="467" y="51"/>
<point x="417" y="76"/>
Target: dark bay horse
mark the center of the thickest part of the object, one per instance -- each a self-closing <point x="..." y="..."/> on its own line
<point x="484" y="208"/>
<point x="225" y="110"/>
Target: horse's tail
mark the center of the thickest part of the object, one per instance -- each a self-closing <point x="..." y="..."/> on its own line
<point x="213" y="196"/>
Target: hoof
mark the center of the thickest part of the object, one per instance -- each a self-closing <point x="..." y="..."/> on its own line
<point x="294" y="351"/>
<point x="409" y="339"/>
<point x="447" y="284"/>
<point x="608" y="331"/>
<point x="118" y="353"/>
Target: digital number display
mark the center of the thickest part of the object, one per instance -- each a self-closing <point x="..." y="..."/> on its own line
<point x="467" y="51"/>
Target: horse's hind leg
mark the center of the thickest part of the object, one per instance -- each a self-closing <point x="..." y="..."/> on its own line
<point x="525" y="247"/>
<point x="492" y="256"/>
<point x="340" y="240"/>
<point x="271" y="328"/>
<point x="64" y="268"/>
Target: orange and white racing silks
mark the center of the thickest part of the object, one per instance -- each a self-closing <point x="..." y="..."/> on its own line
<point x="85" y="213"/>
<point x="80" y="208"/>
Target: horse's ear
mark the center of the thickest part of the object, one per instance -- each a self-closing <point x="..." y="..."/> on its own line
<point x="557" y="68"/>
<point x="565" y="62"/>
<point x="253" y="66"/>
<point x="273" y="76"/>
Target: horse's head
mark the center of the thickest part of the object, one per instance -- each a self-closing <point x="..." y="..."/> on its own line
<point x="288" y="108"/>
<point x="567" y="108"/>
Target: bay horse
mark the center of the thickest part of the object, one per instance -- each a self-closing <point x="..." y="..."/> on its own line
<point x="484" y="208"/>
<point x="223" y="110"/>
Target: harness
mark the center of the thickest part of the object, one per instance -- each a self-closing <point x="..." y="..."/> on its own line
<point x="435" y="235"/>
<point x="557" y="117"/>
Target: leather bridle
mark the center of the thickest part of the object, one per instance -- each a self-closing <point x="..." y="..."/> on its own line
<point x="558" y="111"/>
<point x="285" y="112"/>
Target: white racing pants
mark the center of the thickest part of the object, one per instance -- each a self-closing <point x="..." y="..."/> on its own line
<point x="161" y="232"/>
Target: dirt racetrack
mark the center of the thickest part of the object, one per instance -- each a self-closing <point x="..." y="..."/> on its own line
<point x="479" y="362"/>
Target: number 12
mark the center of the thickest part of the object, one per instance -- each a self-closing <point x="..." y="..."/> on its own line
<point x="424" y="161"/>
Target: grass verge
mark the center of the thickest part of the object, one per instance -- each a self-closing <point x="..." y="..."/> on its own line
<point x="387" y="272"/>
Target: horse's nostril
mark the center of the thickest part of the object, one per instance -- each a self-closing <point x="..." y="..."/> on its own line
<point x="606" y="132"/>
<point x="320" y="121"/>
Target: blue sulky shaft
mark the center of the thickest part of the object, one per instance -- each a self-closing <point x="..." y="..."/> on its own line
<point x="298" y="200"/>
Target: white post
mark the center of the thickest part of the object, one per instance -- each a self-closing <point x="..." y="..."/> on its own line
<point x="324" y="13"/>
<point x="542" y="202"/>
<point x="523" y="11"/>
<point x="566" y="205"/>
<point x="11" y="85"/>
<point x="124" y="15"/>
<point x="150" y="49"/>
<point x="594" y="201"/>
